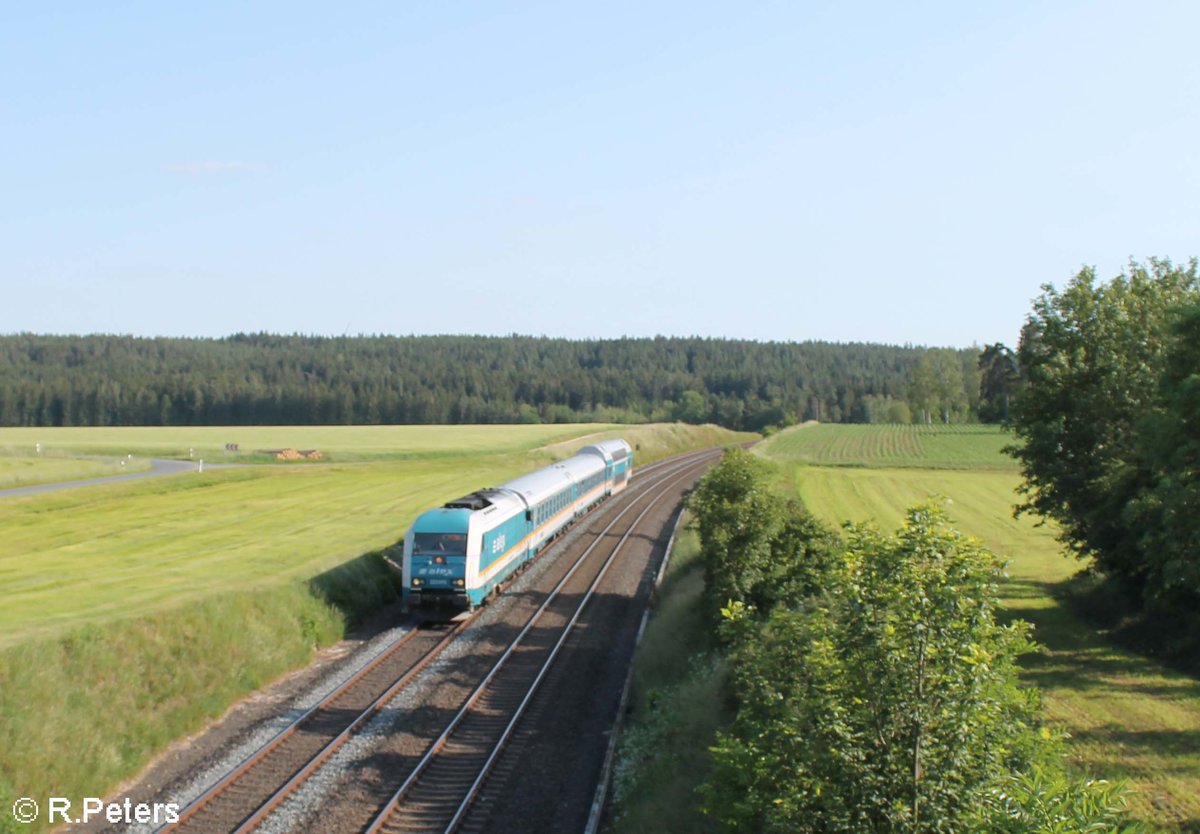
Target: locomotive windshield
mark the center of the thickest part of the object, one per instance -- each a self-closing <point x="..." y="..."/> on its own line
<point x="454" y="544"/>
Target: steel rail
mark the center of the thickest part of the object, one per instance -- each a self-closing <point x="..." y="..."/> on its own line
<point x="655" y="473"/>
<point x="382" y="819"/>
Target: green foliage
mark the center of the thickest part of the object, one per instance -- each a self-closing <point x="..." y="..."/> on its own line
<point x="886" y="703"/>
<point x="1094" y="358"/>
<point x="757" y="548"/>
<point x="999" y="379"/>
<point x="884" y="409"/>
<point x="1167" y="513"/>
<point x="1038" y="801"/>
<point x="737" y="516"/>
<point x="938" y="391"/>
<point x="264" y="379"/>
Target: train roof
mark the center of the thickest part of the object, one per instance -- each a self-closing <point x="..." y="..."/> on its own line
<point x="610" y="450"/>
<point x="537" y="486"/>
<point x="486" y="501"/>
<point x="442" y="520"/>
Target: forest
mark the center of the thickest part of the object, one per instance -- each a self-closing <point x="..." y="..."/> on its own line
<point x="264" y="379"/>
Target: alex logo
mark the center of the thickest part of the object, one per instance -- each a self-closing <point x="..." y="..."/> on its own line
<point x="498" y="544"/>
<point x="436" y="570"/>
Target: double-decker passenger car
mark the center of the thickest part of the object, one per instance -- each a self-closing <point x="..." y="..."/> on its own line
<point x="461" y="552"/>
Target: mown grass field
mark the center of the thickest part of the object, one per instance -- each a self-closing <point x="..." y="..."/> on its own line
<point x="89" y="555"/>
<point x="20" y="468"/>
<point x="1127" y="716"/>
<point x="135" y="612"/>
<point x="336" y="443"/>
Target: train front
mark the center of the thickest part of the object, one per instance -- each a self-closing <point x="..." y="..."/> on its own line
<point x="435" y="560"/>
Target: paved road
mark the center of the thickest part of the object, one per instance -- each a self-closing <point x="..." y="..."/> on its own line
<point x="158" y="468"/>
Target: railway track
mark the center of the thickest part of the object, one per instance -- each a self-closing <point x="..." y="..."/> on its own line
<point x="442" y="790"/>
<point x="247" y="795"/>
<point x="240" y="800"/>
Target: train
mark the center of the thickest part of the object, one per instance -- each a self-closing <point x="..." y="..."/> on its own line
<point x="457" y="555"/>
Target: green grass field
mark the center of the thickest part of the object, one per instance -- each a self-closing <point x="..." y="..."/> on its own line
<point x="1128" y="717"/>
<point x="336" y="443"/>
<point x="93" y="554"/>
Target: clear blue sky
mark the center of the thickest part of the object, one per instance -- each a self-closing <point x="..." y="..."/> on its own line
<point x="886" y="172"/>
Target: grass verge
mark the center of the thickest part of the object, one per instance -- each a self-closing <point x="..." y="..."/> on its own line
<point x="677" y="708"/>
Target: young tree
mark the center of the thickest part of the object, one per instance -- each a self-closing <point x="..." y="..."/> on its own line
<point x="758" y="549"/>
<point x="937" y="387"/>
<point x="887" y="703"/>
<point x="737" y="516"/>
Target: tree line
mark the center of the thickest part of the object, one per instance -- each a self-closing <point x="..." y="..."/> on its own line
<point x="1107" y="428"/>
<point x="264" y="379"/>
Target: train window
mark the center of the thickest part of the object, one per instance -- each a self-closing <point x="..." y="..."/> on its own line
<point x="452" y="543"/>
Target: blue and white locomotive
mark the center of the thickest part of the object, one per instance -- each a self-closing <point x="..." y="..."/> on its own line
<point x="459" y="553"/>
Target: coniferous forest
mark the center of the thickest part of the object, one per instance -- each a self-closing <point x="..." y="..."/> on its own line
<point x="264" y="379"/>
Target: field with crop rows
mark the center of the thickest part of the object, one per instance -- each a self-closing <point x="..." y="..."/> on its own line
<point x="932" y="446"/>
<point x="1127" y="716"/>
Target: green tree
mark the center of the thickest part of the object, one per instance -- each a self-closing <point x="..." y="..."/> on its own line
<point x="1092" y="357"/>
<point x="737" y="516"/>
<point x="887" y="703"/>
<point x="691" y="408"/>
<point x="937" y="387"/>
<point x="1168" y="513"/>
<point x="998" y="381"/>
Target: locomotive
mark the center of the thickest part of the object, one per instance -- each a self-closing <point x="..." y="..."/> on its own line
<point x="457" y="554"/>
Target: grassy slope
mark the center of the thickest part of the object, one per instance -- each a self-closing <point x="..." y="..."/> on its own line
<point x="135" y="612"/>
<point x="1127" y="716"/>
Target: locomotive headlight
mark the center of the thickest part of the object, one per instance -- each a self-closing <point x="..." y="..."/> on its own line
<point x="418" y="582"/>
<point x="458" y="582"/>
